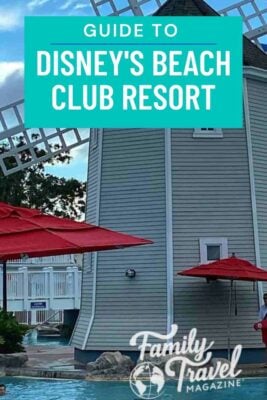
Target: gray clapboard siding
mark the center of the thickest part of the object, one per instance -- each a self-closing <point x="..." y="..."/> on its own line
<point x="87" y="275"/>
<point x="211" y="198"/>
<point x="257" y="95"/>
<point x="132" y="200"/>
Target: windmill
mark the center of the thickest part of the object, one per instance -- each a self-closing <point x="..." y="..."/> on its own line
<point x="14" y="158"/>
<point x="119" y="191"/>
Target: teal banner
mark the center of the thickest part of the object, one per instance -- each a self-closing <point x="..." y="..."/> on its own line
<point x="119" y="72"/>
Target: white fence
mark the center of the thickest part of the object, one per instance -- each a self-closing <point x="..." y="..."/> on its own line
<point x="38" y="317"/>
<point x="65" y="259"/>
<point x="45" y="289"/>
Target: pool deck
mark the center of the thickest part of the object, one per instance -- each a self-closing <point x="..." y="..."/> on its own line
<point x="58" y="362"/>
<point x="50" y="357"/>
<point x="49" y="362"/>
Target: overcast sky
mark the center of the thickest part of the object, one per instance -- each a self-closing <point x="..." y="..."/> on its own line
<point x="12" y="14"/>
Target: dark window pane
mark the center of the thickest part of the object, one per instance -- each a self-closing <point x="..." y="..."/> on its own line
<point x="213" y="252"/>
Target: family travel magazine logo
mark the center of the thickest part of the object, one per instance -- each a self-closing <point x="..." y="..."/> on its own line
<point x="192" y="355"/>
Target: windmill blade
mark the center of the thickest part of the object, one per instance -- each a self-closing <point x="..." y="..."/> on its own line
<point x="252" y="11"/>
<point x="254" y="14"/>
<point x="125" y="7"/>
<point x="22" y="147"/>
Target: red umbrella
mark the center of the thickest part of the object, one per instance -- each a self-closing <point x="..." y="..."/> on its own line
<point x="25" y="231"/>
<point x="232" y="269"/>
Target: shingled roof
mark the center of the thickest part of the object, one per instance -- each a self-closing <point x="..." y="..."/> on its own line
<point x="252" y="54"/>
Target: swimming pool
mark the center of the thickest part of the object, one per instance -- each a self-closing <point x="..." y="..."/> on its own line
<point x="43" y="389"/>
<point x="31" y="339"/>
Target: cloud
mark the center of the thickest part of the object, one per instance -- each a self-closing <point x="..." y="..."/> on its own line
<point x="33" y="4"/>
<point x="10" y="18"/>
<point x="80" y="6"/>
<point x="11" y="82"/>
<point x="80" y="153"/>
<point x="67" y="4"/>
<point x="8" y="68"/>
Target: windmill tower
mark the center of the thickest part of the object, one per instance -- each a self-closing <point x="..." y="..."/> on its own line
<point x="198" y="193"/>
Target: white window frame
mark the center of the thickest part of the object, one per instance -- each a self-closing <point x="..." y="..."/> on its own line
<point x="204" y="133"/>
<point x="212" y="241"/>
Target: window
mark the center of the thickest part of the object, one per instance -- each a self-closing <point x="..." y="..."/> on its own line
<point x="212" y="249"/>
<point x="206" y="133"/>
<point x="213" y="252"/>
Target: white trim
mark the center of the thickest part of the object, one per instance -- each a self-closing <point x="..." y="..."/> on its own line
<point x="203" y="133"/>
<point x="95" y="255"/>
<point x="93" y="138"/>
<point x="83" y="258"/>
<point x="252" y="188"/>
<point x="169" y="228"/>
<point x="209" y="241"/>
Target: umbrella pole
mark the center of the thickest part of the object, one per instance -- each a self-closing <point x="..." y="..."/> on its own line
<point x="4" y="287"/>
<point x="229" y="323"/>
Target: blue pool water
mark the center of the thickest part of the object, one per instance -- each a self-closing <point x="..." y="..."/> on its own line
<point x="31" y="339"/>
<point x="42" y="389"/>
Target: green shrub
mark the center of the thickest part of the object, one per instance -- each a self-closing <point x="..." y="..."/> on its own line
<point x="11" y="333"/>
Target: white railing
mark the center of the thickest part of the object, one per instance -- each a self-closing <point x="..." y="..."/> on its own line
<point x="53" y="260"/>
<point x="54" y="290"/>
<point x="39" y="317"/>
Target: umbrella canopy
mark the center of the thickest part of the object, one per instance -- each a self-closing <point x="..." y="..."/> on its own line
<point x="25" y="231"/>
<point x="28" y="231"/>
<point x="231" y="268"/>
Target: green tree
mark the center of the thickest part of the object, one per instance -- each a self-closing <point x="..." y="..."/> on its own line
<point x="33" y="187"/>
<point x="11" y="333"/>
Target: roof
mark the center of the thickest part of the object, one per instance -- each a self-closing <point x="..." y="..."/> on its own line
<point x="252" y="54"/>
